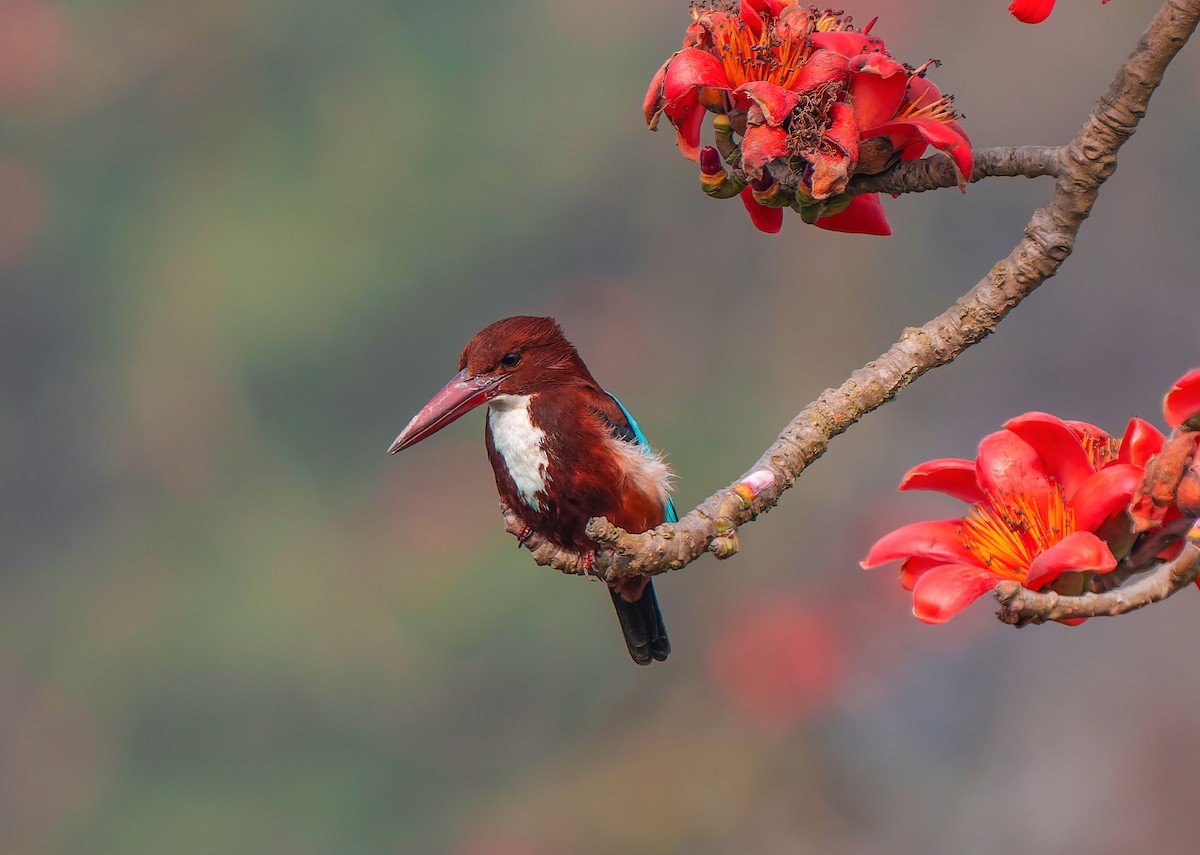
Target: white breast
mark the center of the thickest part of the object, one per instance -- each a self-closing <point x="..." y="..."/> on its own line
<point x="522" y="445"/>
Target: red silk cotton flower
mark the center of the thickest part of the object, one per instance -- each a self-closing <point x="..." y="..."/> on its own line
<point x="1049" y="509"/>
<point x="802" y="101"/>
<point x="1033" y="11"/>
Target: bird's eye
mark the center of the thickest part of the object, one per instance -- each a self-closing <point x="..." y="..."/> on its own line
<point x="512" y="360"/>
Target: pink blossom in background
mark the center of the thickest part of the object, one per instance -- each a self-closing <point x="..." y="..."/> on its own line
<point x="777" y="662"/>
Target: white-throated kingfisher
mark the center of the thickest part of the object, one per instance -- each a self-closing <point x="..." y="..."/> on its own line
<point x="563" y="451"/>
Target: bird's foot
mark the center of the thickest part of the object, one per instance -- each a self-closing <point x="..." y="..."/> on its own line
<point x="589" y="564"/>
<point x="523" y="535"/>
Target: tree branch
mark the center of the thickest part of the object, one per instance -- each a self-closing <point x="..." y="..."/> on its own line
<point x="1020" y="607"/>
<point x="935" y="173"/>
<point x="1083" y="166"/>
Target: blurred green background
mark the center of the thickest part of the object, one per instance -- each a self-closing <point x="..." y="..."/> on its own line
<point x="241" y="243"/>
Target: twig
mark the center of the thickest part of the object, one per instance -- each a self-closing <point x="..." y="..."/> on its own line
<point x="937" y="172"/>
<point x="1084" y="164"/>
<point x="1020" y="606"/>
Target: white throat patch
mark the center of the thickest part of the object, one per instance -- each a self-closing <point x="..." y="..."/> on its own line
<point x="520" y="443"/>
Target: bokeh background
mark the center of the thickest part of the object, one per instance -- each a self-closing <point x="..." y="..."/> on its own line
<point x="241" y="243"/>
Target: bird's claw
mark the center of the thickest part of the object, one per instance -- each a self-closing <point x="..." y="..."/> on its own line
<point x="523" y="535"/>
<point x="589" y="564"/>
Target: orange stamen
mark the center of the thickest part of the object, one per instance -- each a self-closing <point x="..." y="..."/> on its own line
<point x="1009" y="530"/>
<point x="830" y="21"/>
<point x="939" y="110"/>
<point x="1100" y="450"/>
<point x="778" y="53"/>
<point x="768" y="57"/>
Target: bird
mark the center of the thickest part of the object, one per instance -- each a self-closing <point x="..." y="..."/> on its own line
<point x="563" y="450"/>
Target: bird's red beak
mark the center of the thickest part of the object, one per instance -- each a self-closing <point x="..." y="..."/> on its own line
<point x="458" y="397"/>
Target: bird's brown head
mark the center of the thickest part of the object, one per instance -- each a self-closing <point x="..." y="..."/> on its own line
<point x="515" y="356"/>
<point x="526" y="354"/>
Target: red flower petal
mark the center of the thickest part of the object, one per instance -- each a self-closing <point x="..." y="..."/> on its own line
<point x="771" y="7"/>
<point x="1183" y="400"/>
<point x="687" y="131"/>
<point x="653" y="105"/>
<point x="1079" y="551"/>
<point x="700" y="32"/>
<point x="950" y="475"/>
<point x="1031" y="11"/>
<point x="823" y="66"/>
<point x="847" y="44"/>
<point x="879" y="64"/>
<point x="769" y="220"/>
<point x="1008" y="464"/>
<point x="688" y="69"/>
<point x="877" y="89"/>
<point x="922" y="91"/>
<point x="1142" y="441"/>
<point x="926" y="539"/>
<point x="775" y="102"/>
<point x="760" y="146"/>
<point x="750" y="16"/>
<point x="914" y="568"/>
<point x="1063" y="455"/>
<point x="1106" y="493"/>
<point x="863" y="216"/>
<point x="942" y="592"/>
<point x="843" y="130"/>
<point x="910" y="136"/>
